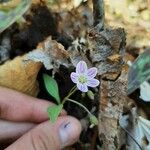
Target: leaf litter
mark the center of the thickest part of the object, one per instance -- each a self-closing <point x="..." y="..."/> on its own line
<point x="72" y="39"/>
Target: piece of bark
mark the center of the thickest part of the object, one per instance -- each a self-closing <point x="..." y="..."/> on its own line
<point x="113" y="101"/>
<point x="106" y="51"/>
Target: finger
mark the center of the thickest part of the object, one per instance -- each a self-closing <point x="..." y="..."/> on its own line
<point x="17" y="106"/>
<point x="48" y="136"/>
<point x="10" y="131"/>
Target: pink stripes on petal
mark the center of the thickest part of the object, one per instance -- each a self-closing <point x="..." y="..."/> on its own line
<point x="74" y="77"/>
<point x="92" y="72"/>
<point x="82" y="87"/>
<point x="93" y="82"/>
<point x="81" y="67"/>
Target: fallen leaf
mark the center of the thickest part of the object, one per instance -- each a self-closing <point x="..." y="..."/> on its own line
<point x="138" y="128"/>
<point x="145" y="91"/>
<point x="40" y="56"/>
<point x="51" y="53"/>
<point x="53" y="49"/>
<point x="20" y="75"/>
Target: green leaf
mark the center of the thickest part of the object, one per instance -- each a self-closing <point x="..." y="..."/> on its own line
<point x="13" y="15"/>
<point x="51" y="87"/>
<point x="139" y="72"/>
<point x="54" y="111"/>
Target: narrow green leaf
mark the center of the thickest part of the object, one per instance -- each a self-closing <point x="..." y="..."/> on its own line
<point x="51" y="87"/>
<point x="139" y="71"/>
<point x="54" y="111"/>
<point x="10" y="17"/>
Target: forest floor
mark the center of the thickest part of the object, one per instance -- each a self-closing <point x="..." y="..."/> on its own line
<point x="67" y="22"/>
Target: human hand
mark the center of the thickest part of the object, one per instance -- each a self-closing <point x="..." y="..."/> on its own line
<point x="26" y="117"/>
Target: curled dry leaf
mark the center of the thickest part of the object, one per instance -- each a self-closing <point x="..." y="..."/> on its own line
<point x="106" y="51"/>
<point x="50" y="53"/>
<point x="144" y="91"/>
<point x="19" y="75"/>
<point x="53" y="49"/>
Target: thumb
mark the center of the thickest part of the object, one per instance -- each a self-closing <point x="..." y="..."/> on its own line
<point x="50" y="136"/>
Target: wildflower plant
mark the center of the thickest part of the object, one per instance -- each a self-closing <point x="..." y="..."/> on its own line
<point x="83" y="78"/>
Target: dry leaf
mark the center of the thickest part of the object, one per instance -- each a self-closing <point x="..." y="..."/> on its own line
<point x="145" y="91"/>
<point x="40" y="56"/>
<point x="106" y="51"/>
<point x="114" y="58"/>
<point x="21" y="76"/>
<point x="53" y="49"/>
<point x="139" y="129"/>
<point x="51" y="53"/>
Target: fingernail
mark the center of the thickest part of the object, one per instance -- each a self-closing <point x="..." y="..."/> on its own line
<point x="65" y="130"/>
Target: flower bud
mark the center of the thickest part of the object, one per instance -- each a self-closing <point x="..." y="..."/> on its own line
<point x="93" y="121"/>
<point x="90" y="94"/>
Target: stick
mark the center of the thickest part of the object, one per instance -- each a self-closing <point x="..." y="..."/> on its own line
<point x="98" y="13"/>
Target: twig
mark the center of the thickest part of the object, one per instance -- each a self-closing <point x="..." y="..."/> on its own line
<point x="98" y="13"/>
<point x="132" y="138"/>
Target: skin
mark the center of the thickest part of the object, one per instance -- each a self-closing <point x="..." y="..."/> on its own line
<point x="24" y="123"/>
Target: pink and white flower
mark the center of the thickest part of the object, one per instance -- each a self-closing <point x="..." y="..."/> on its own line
<point x="84" y="77"/>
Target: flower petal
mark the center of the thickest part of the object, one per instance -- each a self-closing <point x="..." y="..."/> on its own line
<point x="81" y="67"/>
<point x="93" y="82"/>
<point x="92" y="72"/>
<point x="74" y="77"/>
<point x="82" y="87"/>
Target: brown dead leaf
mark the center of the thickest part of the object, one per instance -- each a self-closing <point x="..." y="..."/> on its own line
<point x="21" y="76"/>
<point x="13" y="3"/>
<point x="51" y="53"/>
<point x="114" y="58"/>
<point x="9" y="4"/>
<point x="53" y="49"/>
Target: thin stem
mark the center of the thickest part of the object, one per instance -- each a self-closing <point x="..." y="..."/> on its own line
<point x="70" y="93"/>
<point x="70" y="100"/>
<point x="126" y="130"/>
<point x="98" y="14"/>
<point x="72" y="89"/>
<point x="132" y="138"/>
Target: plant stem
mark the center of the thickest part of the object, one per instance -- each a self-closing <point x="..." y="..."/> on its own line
<point x="132" y="138"/>
<point x="70" y="93"/>
<point x="68" y="99"/>
<point x="72" y="89"/>
<point x="98" y="14"/>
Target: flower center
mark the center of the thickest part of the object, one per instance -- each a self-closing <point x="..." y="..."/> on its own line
<point x="82" y="79"/>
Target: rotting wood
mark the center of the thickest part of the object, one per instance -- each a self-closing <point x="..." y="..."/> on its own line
<point x="113" y="100"/>
<point x="107" y="49"/>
